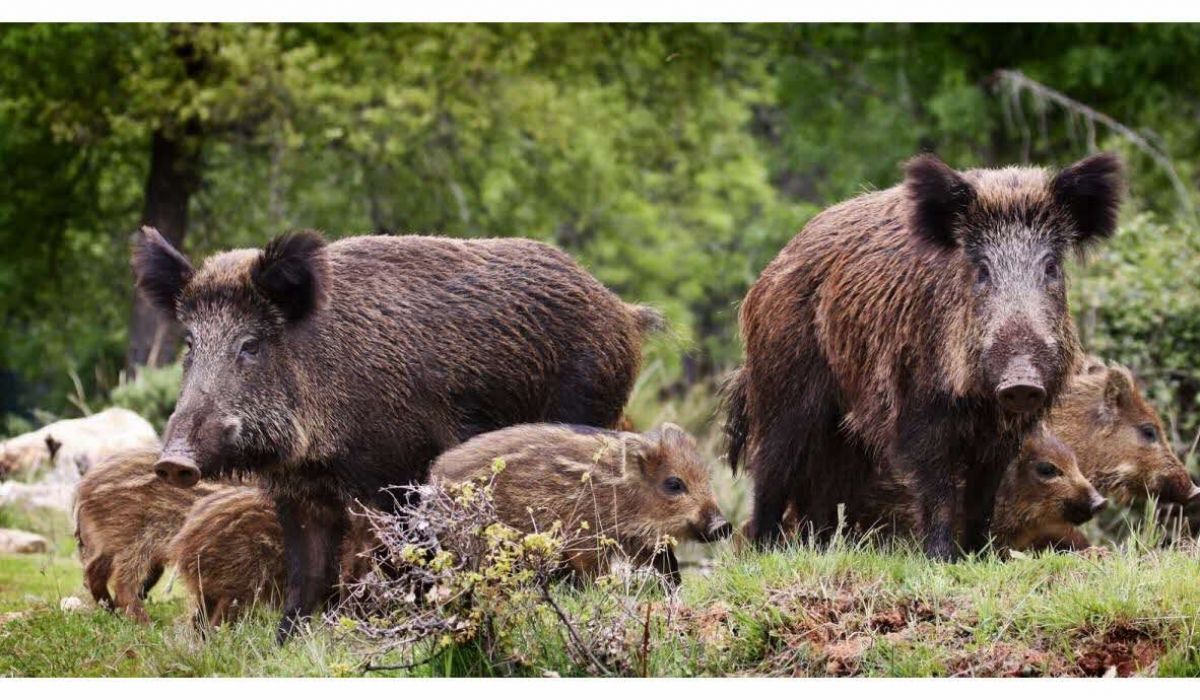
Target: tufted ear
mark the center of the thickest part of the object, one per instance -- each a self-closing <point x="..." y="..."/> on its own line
<point x="1090" y="192"/>
<point x="1119" y="389"/>
<point x="290" y="272"/>
<point x="161" y="271"/>
<point x="939" y="197"/>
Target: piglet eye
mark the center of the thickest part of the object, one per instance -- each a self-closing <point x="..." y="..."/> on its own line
<point x="250" y="347"/>
<point x="674" y="485"/>
<point x="1149" y="432"/>
<point x="1047" y="470"/>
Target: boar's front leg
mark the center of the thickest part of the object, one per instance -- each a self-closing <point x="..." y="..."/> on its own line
<point x="924" y="449"/>
<point x="312" y="538"/>
<point x="979" y="500"/>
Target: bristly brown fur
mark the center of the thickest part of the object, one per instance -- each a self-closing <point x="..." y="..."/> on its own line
<point x="863" y="345"/>
<point x="229" y="554"/>
<point x="125" y="518"/>
<point x="610" y="480"/>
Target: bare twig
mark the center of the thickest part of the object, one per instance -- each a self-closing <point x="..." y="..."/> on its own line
<point x="566" y="621"/>
<point x="1014" y="81"/>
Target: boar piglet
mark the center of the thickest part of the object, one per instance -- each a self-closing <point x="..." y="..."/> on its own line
<point x="632" y="489"/>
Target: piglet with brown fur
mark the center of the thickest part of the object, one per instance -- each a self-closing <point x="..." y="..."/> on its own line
<point x="632" y="488"/>
<point x="230" y="554"/>
<point x="125" y="517"/>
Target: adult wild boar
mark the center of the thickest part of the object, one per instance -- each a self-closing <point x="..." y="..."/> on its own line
<point x="926" y="325"/>
<point x="345" y="367"/>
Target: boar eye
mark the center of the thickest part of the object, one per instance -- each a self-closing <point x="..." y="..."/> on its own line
<point x="188" y="340"/>
<point x="674" y="486"/>
<point x="983" y="275"/>
<point x="1149" y="432"/>
<point x="1047" y="470"/>
<point x="1052" y="270"/>
<point x="249" y="347"/>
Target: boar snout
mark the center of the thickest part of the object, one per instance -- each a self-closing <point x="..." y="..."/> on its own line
<point x="1020" y="389"/>
<point x="1080" y="510"/>
<point x="716" y="528"/>
<point x="177" y="470"/>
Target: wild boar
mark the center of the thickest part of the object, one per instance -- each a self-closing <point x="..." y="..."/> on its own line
<point x="633" y="489"/>
<point x="339" y="369"/>
<point x="924" y="327"/>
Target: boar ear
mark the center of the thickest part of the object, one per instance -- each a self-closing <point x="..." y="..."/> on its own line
<point x="939" y="197"/>
<point x="290" y="273"/>
<point x="1090" y="193"/>
<point x="161" y="271"/>
<point x="1118" y="387"/>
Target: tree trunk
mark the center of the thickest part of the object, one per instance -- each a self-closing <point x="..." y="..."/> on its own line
<point x="174" y="178"/>
<point x="174" y="170"/>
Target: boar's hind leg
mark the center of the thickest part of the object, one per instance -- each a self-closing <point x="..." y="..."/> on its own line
<point x="156" y="573"/>
<point x="128" y="575"/>
<point x="96" y="571"/>
<point x="312" y="539"/>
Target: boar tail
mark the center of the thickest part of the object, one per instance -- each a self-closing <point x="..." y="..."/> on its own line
<point x="649" y="319"/>
<point x="733" y="402"/>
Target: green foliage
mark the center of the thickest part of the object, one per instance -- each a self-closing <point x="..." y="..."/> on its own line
<point x="1136" y="303"/>
<point x="673" y="160"/>
<point x="152" y="394"/>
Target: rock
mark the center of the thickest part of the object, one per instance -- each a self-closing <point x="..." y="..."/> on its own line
<point x="70" y="604"/>
<point x="8" y="617"/>
<point x="20" y="542"/>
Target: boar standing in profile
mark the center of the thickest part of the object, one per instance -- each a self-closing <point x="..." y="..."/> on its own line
<point x="1119" y="438"/>
<point x="632" y="488"/>
<point x="125" y="517"/>
<point x="346" y="367"/>
<point x="924" y="326"/>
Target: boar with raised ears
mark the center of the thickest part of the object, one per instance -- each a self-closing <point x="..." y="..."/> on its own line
<point x="339" y="369"/>
<point x="1043" y="497"/>
<point x="635" y="489"/>
<point x="924" y="326"/>
<point x="1119" y="437"/>
<point x="125" y="518"/>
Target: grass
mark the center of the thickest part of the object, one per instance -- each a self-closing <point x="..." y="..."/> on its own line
<point x="851" y="609"/>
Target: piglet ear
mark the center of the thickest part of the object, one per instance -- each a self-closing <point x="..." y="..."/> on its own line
<point x="1090" y="192"/>
<point x="939" y="197"/>
<point x="290" y="272"/>
<point x="161" y="271"/>
<point x="1119" y="388"/>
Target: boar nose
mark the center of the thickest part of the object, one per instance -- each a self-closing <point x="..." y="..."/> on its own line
<point x="718" y="529"/>
<point x="1020" y="388"/>
<point x="177" y="470"/>
<point x="1099" y="503"/>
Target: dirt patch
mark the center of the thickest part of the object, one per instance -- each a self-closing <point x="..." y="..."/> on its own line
<point x="1005" y="660"/>
<point x="829" y="631"/>
<point x="1122" y="650"/>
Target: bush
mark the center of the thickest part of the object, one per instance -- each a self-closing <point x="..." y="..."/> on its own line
<point x="1136" y="303"/>
<point x="152" y="395"/>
